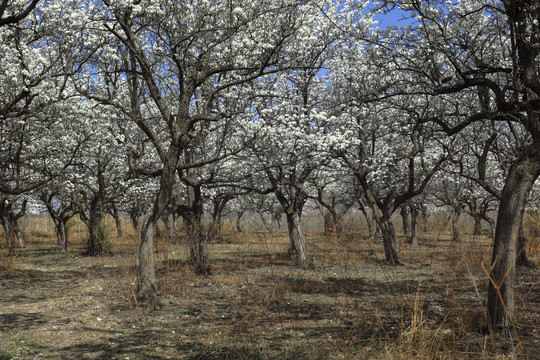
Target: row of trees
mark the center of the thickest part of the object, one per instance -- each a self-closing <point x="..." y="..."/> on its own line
<point x="158" y="107"/>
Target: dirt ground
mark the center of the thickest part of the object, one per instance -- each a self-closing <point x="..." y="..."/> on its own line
<point x="257" y="305"/>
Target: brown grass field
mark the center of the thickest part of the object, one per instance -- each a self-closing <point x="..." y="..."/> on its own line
<point x="256" y="304"/>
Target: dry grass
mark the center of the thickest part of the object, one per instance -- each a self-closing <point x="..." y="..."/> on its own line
<point x="257" y="305"/>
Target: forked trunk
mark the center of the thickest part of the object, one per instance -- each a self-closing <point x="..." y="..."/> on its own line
<point x="521" y="177"/>
<point x="18" y="235"/>
<point x="390" y="240"/>
<point x="10" y="236"/>
<point x="296" y="235"/>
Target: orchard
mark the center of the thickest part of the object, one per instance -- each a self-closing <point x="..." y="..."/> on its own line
<point x="234" y="154"/>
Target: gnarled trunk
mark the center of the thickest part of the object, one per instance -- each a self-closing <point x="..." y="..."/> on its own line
<point x="296" y="235"/>
<point x="390" y="240"/>
<point x="515" y="193"/>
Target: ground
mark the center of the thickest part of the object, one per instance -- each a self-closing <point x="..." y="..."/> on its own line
<point x="257" y="305"/>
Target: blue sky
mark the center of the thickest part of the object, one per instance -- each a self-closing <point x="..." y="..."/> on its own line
<point x="393" y="17"/>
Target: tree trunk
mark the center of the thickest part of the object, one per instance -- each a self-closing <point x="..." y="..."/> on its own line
<point x="368" y="221"/>
<point x="521" y="177"/>
<point x="198" y="240"/>
<point x="198" y="252"/>
<point x="214" y="233"/>
<point x="117" y="221"/>
<point x="386" y="227"/>
<point x="10" y="236"/>
<point x="455" y="219"/>
<point x="96" y="239"/>
<point x="425" y="215"/>
<point x="147" y="276"/>
<point x="134" y="220"/>
<point x="404" y="212"/>
<point x="329" y="225"/>
<point x="171" y="227"/>
<point x="61" y="234"/>
<point x="521" y="256"/>
<point x="477" y="225"/>
<point x="18" y="233"/>
<point x="296" y="235"/>
<point x="238" y="221"/>
<point x="390" y="240"/>
<point x="414" y="227"/>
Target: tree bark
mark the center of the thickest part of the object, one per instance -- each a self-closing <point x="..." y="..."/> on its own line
<point x="390" y="240"/>
<point x="386" y="227"/>
<point x="18" y="234"/>
<point x="455" y="219"/>
<point x="117" y="221"/>
<point x="368" y="220"/>
<point x="296" y="235"/>
<point x="521" y="256"/>
<point x="477" y="225"/>
<point x="61" y="235"/>
<point x="198" y="251"/>
<point x="96" y="240"/>
<point x="10" y="236"/>
<point x="404" y="212"/>
<point x="521" y="177"/>
<point x="238" y="221"/>
<point x="329" y="225"/>
<point x="198" y="254"/>
<point x="171" y="227"/>
<point x="414" y="227"/>
<point x="425" y="215"/>
<point x="147" y="286"/>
